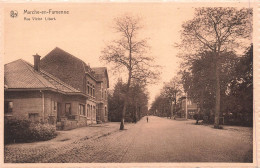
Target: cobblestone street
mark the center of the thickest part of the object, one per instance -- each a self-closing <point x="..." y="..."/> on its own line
<point x="160" y="140"/>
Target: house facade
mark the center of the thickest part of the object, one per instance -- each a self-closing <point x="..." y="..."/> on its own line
<point x="102" y="86"/>
<point x="59" y="89"/>
<point x="186" y="108"/>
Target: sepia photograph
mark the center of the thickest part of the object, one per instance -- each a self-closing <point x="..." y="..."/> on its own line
<point x="128" y="84"/>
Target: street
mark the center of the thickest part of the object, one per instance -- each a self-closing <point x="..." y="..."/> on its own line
<point x="159" y="140"/>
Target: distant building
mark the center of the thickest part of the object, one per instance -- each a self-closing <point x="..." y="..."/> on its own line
<point x="60" y="89"/>
<point x="191" y="108"/>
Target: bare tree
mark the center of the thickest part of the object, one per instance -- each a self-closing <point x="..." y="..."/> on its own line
<point x="130" y="53"/>
<point x="217" y="30"/>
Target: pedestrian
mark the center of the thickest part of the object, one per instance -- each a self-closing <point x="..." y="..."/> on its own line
<point x="147" y="118"/>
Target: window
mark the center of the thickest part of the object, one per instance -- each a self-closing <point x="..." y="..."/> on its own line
<point x="91" y="110"/>
<point x="88" y="87"/>
<point x="68" y="109"/>
<point x="8" y="106"/>
<point x="102" y="93"/>
<point x="88" y="108"/>
<point x="94" y="92"/>
<point x="94" y="112"/>
<point x="55" y="105"/>
<point x="82" y="109"/>
<point x="105" y="94"/>
<point x="91" y="92"/>
<point x="34" y="117"/>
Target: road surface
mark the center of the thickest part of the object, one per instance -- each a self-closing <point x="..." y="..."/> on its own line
<point x="159" y="140"/>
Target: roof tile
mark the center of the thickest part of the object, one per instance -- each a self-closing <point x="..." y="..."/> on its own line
<point x="21" y="74"/>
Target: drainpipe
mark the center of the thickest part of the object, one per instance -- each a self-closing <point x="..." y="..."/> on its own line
<point x="43" y="106"/>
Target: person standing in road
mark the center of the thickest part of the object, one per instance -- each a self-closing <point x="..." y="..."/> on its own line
<point x="147" y="118"/>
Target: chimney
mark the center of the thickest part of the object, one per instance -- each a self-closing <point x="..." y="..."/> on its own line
<point x="36" y="62"/>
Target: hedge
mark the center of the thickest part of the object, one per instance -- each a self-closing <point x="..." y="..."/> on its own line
<point x="17" y="131"/>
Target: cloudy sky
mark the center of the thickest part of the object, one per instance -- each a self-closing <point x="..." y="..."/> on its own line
<point x="87" y="28"/>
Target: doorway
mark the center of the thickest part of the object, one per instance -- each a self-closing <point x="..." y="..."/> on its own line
<point x="58" y="112"/>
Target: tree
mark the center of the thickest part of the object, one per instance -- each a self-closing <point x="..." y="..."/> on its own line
<point x="170" y="91"/>
<point x="198" y="81"/>
<point x="217" y="30"/>
<point x="116" y="101"/>
<point x="137" y="103"/>
<point x="160" y="106"/>
<point x="138" y="100"/>
<point x="240" y="95"/>
<point x="129" y="53"/>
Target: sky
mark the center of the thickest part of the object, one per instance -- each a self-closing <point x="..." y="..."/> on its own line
<point x="86" y="30"/>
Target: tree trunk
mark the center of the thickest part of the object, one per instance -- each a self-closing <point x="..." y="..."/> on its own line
<point x="175" y="103"/>
<point x="201" y="106"/>
<point x="122" y="124"/>
<point x="217" y="105"/>
<point x="171" y="110"/>
<point x="135" y="118"/>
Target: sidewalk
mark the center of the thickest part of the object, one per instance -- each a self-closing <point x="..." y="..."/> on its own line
<point x="89" y="132"/>
<point x="64" y="142"/>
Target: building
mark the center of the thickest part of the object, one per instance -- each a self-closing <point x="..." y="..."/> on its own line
<point x="102" y="84"/>
<point x="186" y="107"/>
<point x="60" y="89"/>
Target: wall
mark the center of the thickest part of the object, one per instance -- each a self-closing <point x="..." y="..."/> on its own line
<point x="102" y="86"/>
<point x="91" y="81"/>
<point x="191" y="108"/>
<point x="24" y="103"/>
<point x="98" y="91"/>
<point x="91" y="114"/>
<point x="67" y="68"/>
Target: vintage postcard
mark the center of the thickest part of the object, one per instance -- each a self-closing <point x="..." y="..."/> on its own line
<point x="129" y="84"/>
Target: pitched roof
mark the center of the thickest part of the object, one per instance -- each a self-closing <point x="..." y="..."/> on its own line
<point x="20" y="74"/>
<point x="60" y="51"/>
<point x="100" y="73"/>
<point x="99" y="70"/>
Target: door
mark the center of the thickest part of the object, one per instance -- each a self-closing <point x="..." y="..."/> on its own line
<point x="58" y="111"/>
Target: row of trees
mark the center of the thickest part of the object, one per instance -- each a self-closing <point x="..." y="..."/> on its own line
<point x="165" y="104"/>
<point x="137" y="105"/>
<point x="236" y="86"/>
<point x="211" y="66"/>
<point x="212" y="73"/>
<point x="208" y="47"/>
<point x="198" y="81"/>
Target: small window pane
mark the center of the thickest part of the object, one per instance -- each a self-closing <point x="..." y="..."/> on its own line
<point x="8" y="106"/>
<point x="68" y="109"/>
